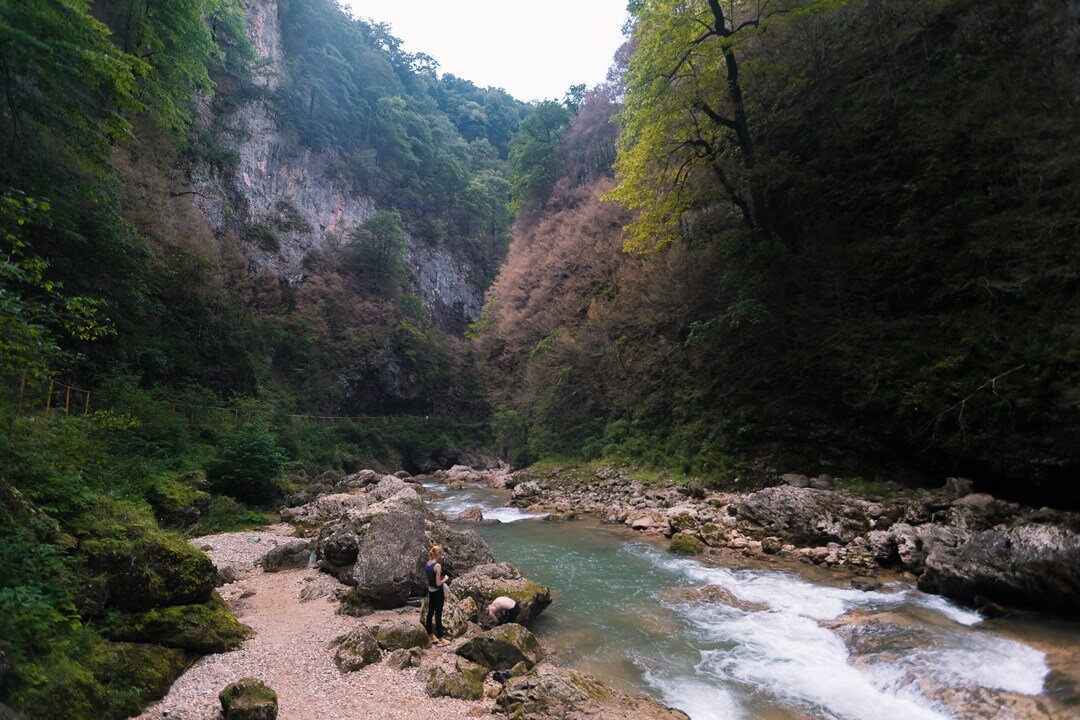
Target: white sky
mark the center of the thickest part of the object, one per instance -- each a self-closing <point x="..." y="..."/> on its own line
<point x="535" y="50"/>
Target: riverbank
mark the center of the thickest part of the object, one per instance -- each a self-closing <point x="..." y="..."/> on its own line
<point x="971" y="547"/>
<point x="341" y="637"/>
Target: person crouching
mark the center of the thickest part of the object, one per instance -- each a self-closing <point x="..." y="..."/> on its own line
<point x="503" y="610"/>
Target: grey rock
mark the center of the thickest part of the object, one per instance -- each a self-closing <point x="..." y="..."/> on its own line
<point x="553" y="693"/>
<point x="502" y="648"/>
<point x="357" y="649"/>
<point x="464" y="682"/>
<point x="803" y="516"/>
<point x="404" y="658"/>
<point x="771" y="545"/>
<point x="1029" y="565"/>
<point x="288" y="556"/>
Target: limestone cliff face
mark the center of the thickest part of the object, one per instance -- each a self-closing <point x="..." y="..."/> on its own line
<point x="284" y="201"/>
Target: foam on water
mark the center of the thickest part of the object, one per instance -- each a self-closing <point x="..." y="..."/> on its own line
<point x="786" y="652"/>
<point x="455" y="504"/>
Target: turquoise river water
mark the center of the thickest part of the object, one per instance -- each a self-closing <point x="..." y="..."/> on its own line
<point x="798" y="643"/>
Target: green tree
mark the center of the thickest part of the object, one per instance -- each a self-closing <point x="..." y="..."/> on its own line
<point x="248" y="465"/>
<point x="532" y="162"/>
<point x="690" y="132"/>
<point x="378" y="247"/>
<point x="34" y="311"/>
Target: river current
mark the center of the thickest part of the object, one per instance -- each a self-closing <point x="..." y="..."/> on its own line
<point x="780" y="643"/>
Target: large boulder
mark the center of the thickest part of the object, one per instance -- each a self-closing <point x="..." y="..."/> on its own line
<point x="464" y="550"/>
<point x="389" y="564"/>
<point x="503" y="647"/>
<point x="379" y="552"/>
<point x="550" y="692"/>
<point x="291" y="555"/>
<point x="357" y="649"/>
<point x="248" y="699"/>
<point x="203" y="628"/>
<point x="487" y="582"/>
<point x="1028" y="565"/>
<point x="803" y="516"/>
<point x="464" y="682"/>
<point x="147" y="570"/>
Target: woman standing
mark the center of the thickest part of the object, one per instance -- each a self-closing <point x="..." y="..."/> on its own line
<point x="436" y="597"/>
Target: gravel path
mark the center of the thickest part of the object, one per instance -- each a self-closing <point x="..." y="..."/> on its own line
<point x="291" y="650"/>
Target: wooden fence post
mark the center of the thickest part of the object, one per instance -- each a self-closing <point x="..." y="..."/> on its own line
<point x="67" y="402"/>
<point x="48" y="399"/>
<point x="86" y="408"/>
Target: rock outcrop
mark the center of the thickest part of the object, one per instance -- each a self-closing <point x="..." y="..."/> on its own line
<point x="1009" y="564"/>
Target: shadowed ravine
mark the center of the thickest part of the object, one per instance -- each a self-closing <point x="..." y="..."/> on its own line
<point x="784" y="643"/>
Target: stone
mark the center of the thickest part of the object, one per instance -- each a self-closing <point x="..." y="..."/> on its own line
<point x="713" y="595"/>
<point x="771" y="545"/>
<point x="646" y="521"/>
<point x="525" y="493"/>
<point x="487" y="582"/>
<point x="550" y="692"/>
<point x="957" y="487"/>
<point x="1030" y="565"/>
<point x="325" y="508"/>
<point x="795" y="480"/>
<point x="288" y="556"/>
<point x="463" y="550"/>
<point x="248" y="699"/>
<point x="357" y="649"/>
<point x="865" y="584"/>
<point x="685" y="544"/>
<point x="502" y="648"/>
<point x="403" y="658"/>
<point x="473" y="514"/>
<point x="975" y="500"/>
<point x="464" y="682"/>
<point x="401" y="636"/>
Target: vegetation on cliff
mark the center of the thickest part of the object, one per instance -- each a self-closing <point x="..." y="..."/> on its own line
<point x="849" y="246"/>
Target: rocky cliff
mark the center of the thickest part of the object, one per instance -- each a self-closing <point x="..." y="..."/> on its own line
<point x="288" y="203"/>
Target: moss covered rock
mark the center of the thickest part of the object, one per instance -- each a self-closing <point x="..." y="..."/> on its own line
<point x="248" y="699"/>
<point x="178" y="502"/>
<point x="357" y="649"/>
<point x="141" y="565"/>
<point x="684" y="544"/>
<point x="487" y="582"/>
<point x="503" y="647"/>
<point x="401" y="636"/>
<point x="203" y="628"/>
<point x="464" y="682"/>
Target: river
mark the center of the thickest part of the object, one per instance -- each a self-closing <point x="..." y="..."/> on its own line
<point x="780" y="643"/>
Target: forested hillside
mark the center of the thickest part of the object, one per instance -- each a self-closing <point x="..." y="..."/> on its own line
<point x="216" y="215"/>
<point x="850" y="246"/>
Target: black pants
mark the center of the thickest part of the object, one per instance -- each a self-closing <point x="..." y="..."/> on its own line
<point x="435" y="598"/>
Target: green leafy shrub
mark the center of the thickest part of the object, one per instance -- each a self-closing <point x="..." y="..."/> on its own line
<point x="249" y="465"/>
